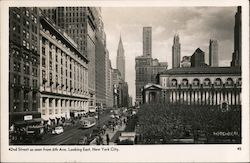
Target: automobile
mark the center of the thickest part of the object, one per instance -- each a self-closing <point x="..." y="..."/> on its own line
<point x="112" y="116"/>
<point x="58" y="130"/>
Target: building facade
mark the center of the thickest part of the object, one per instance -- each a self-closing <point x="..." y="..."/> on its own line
<point x="212" y="86"/>
<point x="63" y="75"/>
<point x="100" y="71"/>
<point x="120" y="59"/>
<point x="236" y="58"/>
<point x="213" y="53"/>
<point x="147" y="69"/>
<point x="176" y="52"/>
<point x="23" y="63"/>
<point x="147" y="41"/>
<point x="198" y="58"/>
<point x="79" y="23"/>
<point x="109" y="83"/>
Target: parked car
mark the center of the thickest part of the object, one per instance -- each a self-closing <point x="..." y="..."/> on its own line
<point x="58" y="130"/>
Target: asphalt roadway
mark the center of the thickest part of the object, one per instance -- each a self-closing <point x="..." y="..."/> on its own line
<point x="71" y="134"/>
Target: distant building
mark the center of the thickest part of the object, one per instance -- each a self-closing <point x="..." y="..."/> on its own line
<point x="176" y="52"/>
<point x="147" y="41"/>
<point x="109" y="83"/>
<point x="120" y="59"/>
<point x="236" y="58"/>
<point x="213" y="53"/>
<point x="63" y="74"/>
<point x="24" y="65"/>
<point x="130" y="101"/>
<point x="198" y="58"/>
<point x="100" y="71"/>
<point x="146" y="71"/>
<point x="186" y="61"/>
<point x="120" y="90"/>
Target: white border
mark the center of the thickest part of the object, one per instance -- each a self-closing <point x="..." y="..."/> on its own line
<point x="145" y="153"/>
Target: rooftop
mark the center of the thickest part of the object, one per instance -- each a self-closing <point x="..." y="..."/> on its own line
<point x="203" y="70"/>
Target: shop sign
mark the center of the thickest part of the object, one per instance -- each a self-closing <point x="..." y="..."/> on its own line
<point x="28" y="117"/>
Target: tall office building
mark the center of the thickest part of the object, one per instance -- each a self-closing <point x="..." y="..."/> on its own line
<point x="213" y="53"/>
<point x="24" y="64"/>
<point x="100" y="71"/>
<point x="146" y="71"/>
<point x="176" y="52"/>
<point x="236" y="58"/>
<point x="120" y="59"/>
<point x="147" y="41"/>
<point x="79" y="23"/>
<point x="146" y="67"/>
<point x="198" y="58"/>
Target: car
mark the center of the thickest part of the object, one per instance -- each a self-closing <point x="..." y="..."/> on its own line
<point x="58" y="130"/>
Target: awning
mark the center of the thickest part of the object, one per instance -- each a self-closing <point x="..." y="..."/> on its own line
<point x="35" y="120"/>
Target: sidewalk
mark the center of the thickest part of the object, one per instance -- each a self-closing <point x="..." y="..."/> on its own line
<point x="112" y="134"/>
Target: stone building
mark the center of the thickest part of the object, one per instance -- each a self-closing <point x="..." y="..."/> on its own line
<point x="213" y="86"/>
<point x="63" y="75"/>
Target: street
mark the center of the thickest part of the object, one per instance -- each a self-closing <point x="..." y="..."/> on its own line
<point x="71" y="134"/>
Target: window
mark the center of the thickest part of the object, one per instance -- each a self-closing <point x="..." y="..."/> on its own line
<point x="34" y="83"/>
<point x="229" y="82"/>
<point x="16" y="79"/>
<point x="17" y="66"/>
<point x="43" y="51"/>
<point x="43" y="62"/>
<point x="26" y="81"/>
<point x="218" y="82"/>
<point x="44" y="102"/>
<point x="50" y="102"/>
<point x="34" y="71"/>
<point x="174" y="82"/>
<point x="26" y="69"/>
<point x="50" y="65"/>
<point x="196" y="82"/>
<point x="43" y="74"/>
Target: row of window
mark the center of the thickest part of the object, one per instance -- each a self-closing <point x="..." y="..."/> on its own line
<point x="26" y="81"/>
<point x="26" y="68"/>
<point x="206" y="82"/>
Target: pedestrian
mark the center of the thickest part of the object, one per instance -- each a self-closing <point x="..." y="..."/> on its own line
<point x="107" y="139"/>
<point x="113" y="128"/>
<point x="97" y="140"/>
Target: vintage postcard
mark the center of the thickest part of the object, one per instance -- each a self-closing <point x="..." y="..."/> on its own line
<point x="123" y="81"/>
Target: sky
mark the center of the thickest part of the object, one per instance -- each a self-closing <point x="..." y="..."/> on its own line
<point x="195" y="26"/>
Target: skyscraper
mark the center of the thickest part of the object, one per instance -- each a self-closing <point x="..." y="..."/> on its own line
<point x="120" y="59"/>
<point x="24" y="61"/>
<point x="198" y="58"/>
<point x="213" y="53"/>
<point x="236" y="59"/>
<point x="147" y="41"/>
<point x="176" y="52"/>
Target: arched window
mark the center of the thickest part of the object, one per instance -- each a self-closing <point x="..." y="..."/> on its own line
<point x="207" y="82"/>
<point x="196" y="82"/>
<point x="184" y="82"/>
<point x="218" y="82"/>
<point x="229" y="82"/>
<point x="239" y="82"/>
<point x="174" y="83"/>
